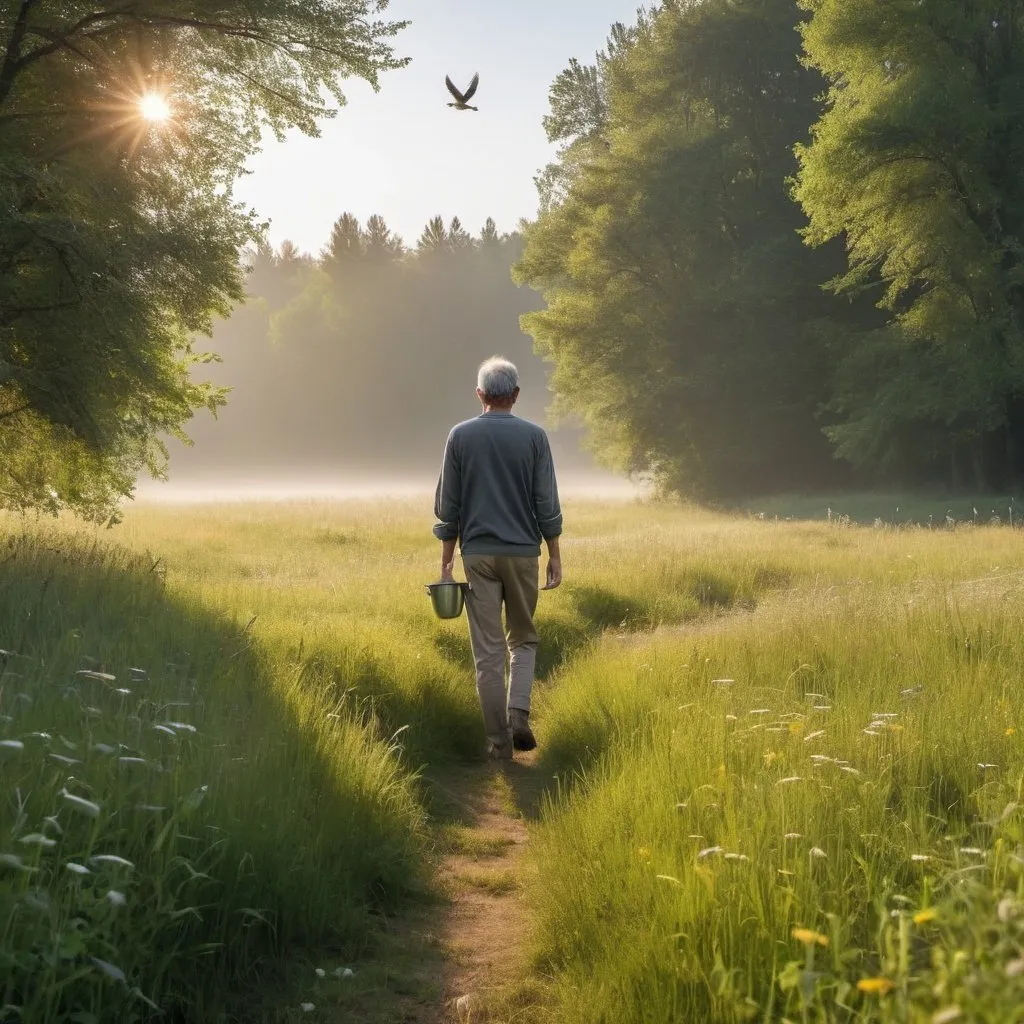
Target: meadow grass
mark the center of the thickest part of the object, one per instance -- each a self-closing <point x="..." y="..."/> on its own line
<point x="159" y="780"/>
<point x="297" y="641"/>
<point x="806" y="814"/>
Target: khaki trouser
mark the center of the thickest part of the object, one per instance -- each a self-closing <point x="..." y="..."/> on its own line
<point x="495" y="580"/>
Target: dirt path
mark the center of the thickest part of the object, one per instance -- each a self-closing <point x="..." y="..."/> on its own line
<point x="481" y="815"/>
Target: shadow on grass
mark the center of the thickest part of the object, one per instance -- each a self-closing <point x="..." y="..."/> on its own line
<point x="300" y="832"/>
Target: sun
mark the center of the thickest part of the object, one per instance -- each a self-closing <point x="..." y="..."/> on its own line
<point x="154" y="107"/>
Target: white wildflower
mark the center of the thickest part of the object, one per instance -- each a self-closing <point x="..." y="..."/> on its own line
<point x="38" y="839"/>
<point x="950" y="1013"/>
<point x="920" y="858"/>
<point x="789" y="778"/>
<point x="1015" y="968"/>
<point x="10" y="860"/>
<point x="111" y="858"/>
<point x="817" y="851"/>
<point x="709" y="852"/>
<point x="77" y="869"/>
<point x="11" y="745"/>
<point x="320" y="972"/>
<point x="1007" y="909"/>
<point x="814" y="735"/>
<point x="80" y="804"/>
<point x="793" y="835"/>
<point x="115" y="898"/>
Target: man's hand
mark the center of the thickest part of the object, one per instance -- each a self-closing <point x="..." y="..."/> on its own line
<point x="447" y="573"/>
<point x="554" y="573"/>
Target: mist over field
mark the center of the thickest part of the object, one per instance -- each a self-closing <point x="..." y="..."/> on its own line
<point x="347" y="370"/>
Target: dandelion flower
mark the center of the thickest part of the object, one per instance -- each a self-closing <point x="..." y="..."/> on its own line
<point x="926" y="915"/>
<point x="877" y="986"/>
<point x="808" y="937"/>
<point x="817" y="851"/>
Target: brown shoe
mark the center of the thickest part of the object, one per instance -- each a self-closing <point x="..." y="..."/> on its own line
<point x="522" y="734"/>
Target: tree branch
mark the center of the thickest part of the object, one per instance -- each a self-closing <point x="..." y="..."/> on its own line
<point x="10" y="67"/>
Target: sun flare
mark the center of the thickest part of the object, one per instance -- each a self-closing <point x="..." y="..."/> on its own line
<point x="154" y="107"/>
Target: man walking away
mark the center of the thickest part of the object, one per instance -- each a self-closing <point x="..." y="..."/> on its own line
<point x="497" y="498"/>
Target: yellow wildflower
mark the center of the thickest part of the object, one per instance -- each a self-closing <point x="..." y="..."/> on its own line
<point x="808" y="936"/>
<point x="643" y="853"/>
<point x="796" y="727"/>
<point x="770" y="757"/>
<point x="924" y="916"/>
<point x="1011" y="731"/>
<point x="876" y="985"/>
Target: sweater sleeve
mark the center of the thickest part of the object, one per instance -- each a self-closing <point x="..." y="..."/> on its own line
<point x="447" y="498"/>
<point x="545" y="492"/>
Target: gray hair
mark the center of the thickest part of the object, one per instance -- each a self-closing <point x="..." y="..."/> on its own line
<point x="497" y="378"/>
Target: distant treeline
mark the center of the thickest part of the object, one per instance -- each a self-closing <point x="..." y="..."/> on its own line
<point x="782" y="246"/>
<point x="357" y="361"/>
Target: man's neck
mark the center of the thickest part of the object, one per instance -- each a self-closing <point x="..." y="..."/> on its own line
<point x="507" y="409"/>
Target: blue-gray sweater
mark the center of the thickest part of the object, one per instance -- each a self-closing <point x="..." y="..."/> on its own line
<point x="497" y="493"/>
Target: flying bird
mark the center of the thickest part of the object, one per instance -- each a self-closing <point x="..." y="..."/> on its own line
<point x="462" y="99"/>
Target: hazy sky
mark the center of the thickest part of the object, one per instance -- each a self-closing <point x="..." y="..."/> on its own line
<point x="404" y="154"/>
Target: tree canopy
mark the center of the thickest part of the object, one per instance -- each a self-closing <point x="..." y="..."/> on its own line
<point x="681" y="305"/>
<point x="119" y="238"/>
<point x="769" y="265"/>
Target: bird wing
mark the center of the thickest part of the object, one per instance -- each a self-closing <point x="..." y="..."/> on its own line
<point x="455" y="92"/>
<point x="472" y="87"/>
